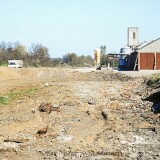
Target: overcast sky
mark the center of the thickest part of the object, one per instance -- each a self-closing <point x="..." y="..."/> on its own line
<point x="78" y="26"/>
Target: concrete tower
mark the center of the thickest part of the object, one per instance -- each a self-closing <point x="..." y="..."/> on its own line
<point x="133" y="37"/>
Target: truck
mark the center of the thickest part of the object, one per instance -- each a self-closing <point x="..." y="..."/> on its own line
<point x="15" y="63"/>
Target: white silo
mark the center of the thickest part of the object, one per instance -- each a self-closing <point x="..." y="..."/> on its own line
<point x="133" y="37"/>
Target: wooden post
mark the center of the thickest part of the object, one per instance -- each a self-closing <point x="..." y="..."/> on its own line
<point x="155" y="65"/>
<point x="139" y="61"/>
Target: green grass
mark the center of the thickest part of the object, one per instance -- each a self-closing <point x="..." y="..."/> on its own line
<point x="154" y="80"/>
<point x="14" y="95"/>
<point x="3" y="64"/>
<point x="4" y="100"/>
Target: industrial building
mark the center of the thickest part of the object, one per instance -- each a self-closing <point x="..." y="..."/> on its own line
<point x="135" y="56"/>
<point x="145" y="57"/>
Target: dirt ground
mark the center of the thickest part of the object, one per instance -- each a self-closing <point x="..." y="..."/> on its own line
<point x="102" y="115"/>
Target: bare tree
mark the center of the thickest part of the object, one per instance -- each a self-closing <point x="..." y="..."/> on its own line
<point x="39" y="55"/>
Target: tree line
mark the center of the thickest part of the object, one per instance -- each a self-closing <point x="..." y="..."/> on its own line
<point x="37" y="55"/>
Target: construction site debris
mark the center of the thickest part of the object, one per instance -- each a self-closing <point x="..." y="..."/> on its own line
<point x="45" y="107"/>
<point x="42" y="130"/>
<point x="17" y="140"/>
<point x="105" y="113"/>
<point x="128" y="130"/>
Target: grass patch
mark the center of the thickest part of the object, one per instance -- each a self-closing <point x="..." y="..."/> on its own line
<point x="154" y="80"/>
<point x="4" y="100"/>
<point x="3" y="64"/>
<point x="14" y="95"/>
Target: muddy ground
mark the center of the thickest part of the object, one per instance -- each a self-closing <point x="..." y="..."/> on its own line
<point x="102" y="116"/>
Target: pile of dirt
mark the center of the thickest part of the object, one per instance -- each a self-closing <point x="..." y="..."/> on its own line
<point x="8" y="73"/>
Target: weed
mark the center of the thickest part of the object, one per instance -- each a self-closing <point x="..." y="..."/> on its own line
<point x="4" y="99"/>
<point x="154" y="80"/>
<point x="16" y="95"/>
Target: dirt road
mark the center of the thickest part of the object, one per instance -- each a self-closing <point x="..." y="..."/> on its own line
<point x="79" y="130"/>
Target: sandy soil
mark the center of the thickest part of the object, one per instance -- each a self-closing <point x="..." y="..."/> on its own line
<point x="79" y="130"/>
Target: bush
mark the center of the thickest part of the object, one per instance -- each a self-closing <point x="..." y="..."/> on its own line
<point x="154" y="80"/>
<point x="3" y="64"/>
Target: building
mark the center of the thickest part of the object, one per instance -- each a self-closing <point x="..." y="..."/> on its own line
<point x="145" y="57"/>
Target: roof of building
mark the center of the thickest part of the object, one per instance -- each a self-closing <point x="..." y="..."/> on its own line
<point x="147" y="44"/>
<point x="142" y="44"/>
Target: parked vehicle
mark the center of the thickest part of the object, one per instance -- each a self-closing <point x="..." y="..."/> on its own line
<point x="15" y="63"/>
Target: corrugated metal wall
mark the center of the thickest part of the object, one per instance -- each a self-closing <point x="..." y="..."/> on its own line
<point x="147" y="61"/>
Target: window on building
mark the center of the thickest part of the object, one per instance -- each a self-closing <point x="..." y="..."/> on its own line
<point x="134" y="35"/>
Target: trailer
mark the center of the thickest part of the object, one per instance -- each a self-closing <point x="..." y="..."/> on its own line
<point x="15" y="63"/>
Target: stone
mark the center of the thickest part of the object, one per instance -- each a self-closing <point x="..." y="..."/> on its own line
<point x="105" y="114"/>
<point x="88" y="112"/>
<point x="45" y="107"/>
<point x="91" y="102"/>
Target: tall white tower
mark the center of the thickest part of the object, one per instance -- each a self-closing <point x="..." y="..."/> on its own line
<point x="133" y="37"/>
